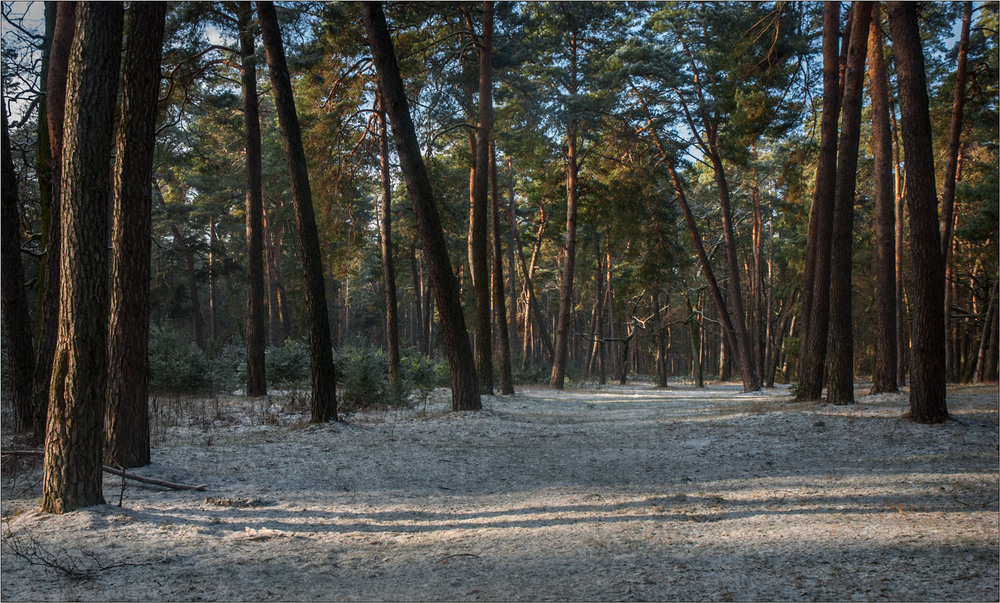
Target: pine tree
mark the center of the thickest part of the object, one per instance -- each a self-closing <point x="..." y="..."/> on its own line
<point x="75" y="427"/>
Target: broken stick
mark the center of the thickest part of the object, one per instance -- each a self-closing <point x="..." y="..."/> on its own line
<point x="149" y="480"/>
<point x="118" y="472"/>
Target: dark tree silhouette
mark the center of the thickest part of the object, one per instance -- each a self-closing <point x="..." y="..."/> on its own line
<point x="256" y="327"/>
<point x="840" y="389"/>
<point x="816" y="280"/>
<point x="464" y="383"/>
<point x="324" y="393"/>
<point x="127" y="426"/>
<point x="14" y="301"/>
<point x="884" y="378"/>
<point x="927" y="381"/>
<point x="478" y="238"/>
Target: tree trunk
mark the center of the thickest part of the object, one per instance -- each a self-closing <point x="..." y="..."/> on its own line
<point x="324" y="392"/>
<point x="196" y="318"/>
<point x="902" y="337"/>
<point x="661" y="348"/>
<point x="985" y="367"/>
<point x="388" y="266"/>
<point x="954" y="138"/>
<point x="816" y="280"/>
<point x="127" y="426"/>
<point x="694" y="329"/>
<point x="511" y="266"/>
<point x="213" y="323"/>
<point x="756" y="279"/>
<point x="840" y="389"/>
<point x="418" y="296"/>
<point x="533" y="312"/>
<point x="48" y="314"/>
<point x="599" y="289"/>
<point x="741" y="341"/>
<point x="43" y="157"/>
<point x="503" y="346"/>
<point x="256" y="325"/>
<point x="568" y="251"/>
<point x="927" y="384"/>
<point x="74" y="430"/>
<point x="884" y="377"/>
<point x="464" y="381"/>
<point x="14" y="301"/>
<point x="478" y="232"/>
<point x="951" y="170"/>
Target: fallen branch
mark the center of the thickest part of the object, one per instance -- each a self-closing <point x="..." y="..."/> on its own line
<point x="456" y="555"/>
<point x="118" y="472"/>
<point x="149" y="480"/>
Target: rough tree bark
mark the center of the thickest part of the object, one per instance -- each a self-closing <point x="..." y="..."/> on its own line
<point x="74" y="429"/>
<point x="324" y="392"/>
<point x="48" y="314"/>
<point x="127" y="423"/>
<point x="464" y="382"/>
<point x="927" y="383"/>
<point x="14" y="301"/>
<point x="884" y="378"/>
<point x="840" y="389"/>
<point x="816" y="280"/>
<point x="256" y="323"/>
<point x="478" y="234"/>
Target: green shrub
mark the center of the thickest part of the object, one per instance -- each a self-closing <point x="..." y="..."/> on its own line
<point x="176" y="364"/>
<point x="362" y="376"/>
<point x="227" y="365"/>
<point x="530" y="375"/>
<point x="421" y="375"/>
<point x="288" y="365"/>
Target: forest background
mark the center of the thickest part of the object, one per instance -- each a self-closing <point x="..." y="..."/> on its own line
<point x="643" y="205"/>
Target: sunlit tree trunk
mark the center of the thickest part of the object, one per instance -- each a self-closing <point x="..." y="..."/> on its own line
<point x="324" y="393"/>
<point x="48" y="313"/>
<point x="75" y="425"/>
<point x="927" y="383"/>
<point x="464" y="381"/>
<point x="127" y="424"/>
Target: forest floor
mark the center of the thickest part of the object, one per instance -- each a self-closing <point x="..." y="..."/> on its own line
<point x="612" y="493"/>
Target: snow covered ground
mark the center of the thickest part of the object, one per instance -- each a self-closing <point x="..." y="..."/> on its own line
<point x="613" y="493"/>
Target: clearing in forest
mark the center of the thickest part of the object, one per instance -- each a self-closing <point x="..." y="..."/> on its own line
<point x="617" y="493"/>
